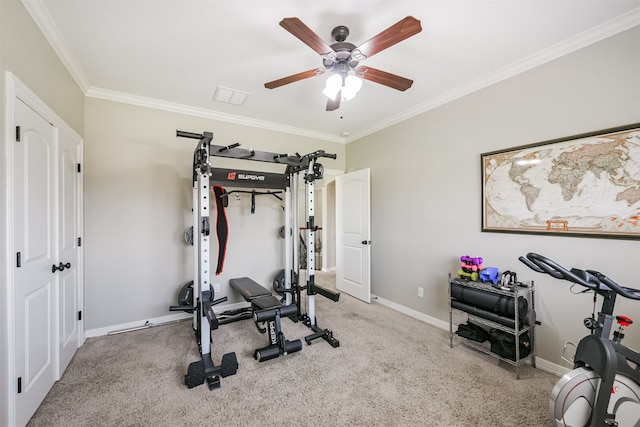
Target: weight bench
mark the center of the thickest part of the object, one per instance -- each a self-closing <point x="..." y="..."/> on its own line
<point x="268" y="309"/>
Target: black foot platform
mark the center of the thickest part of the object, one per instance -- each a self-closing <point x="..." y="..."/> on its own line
<point x="325" y="334"/>
<point x="204" y="370"/>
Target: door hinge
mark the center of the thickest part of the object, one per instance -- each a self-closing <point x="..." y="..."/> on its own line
<point x="19" y="385"/>
<point x="79" y="168"/>
<point x="19" y="260"/>
<point x="79" y="241"/>
<point x="80" y="315"/>
<point x="17" y="133"/>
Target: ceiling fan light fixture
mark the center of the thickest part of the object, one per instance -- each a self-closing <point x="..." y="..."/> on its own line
<point x="352" y="86"/>
<point x="333" y="86"/>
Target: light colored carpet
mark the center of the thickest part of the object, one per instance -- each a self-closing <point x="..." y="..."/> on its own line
<point x="390" y="370"/>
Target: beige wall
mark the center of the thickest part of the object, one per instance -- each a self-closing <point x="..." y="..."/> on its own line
<point x="26" y="53"/>
<point x="426" y="180"/>
<point x="138" y="201"/>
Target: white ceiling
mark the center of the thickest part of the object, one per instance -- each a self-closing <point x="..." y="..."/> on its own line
<point x="172" y="54"/>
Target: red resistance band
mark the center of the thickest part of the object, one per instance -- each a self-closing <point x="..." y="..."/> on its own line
<point x="222" y="226"/>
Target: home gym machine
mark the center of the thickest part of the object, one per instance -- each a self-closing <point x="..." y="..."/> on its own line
<point x="198" y="297"/>
<point x="286" y="285"/>
<point x="603" y="389"/>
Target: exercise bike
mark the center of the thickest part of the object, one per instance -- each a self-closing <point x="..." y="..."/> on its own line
<point x="603" y="389"/>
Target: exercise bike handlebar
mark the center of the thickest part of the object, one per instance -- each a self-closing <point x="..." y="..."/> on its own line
<point x="620" y="290"/>
<point x="590" y="279"/>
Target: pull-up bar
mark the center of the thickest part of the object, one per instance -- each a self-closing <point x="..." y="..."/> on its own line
<point x="253" y="196"/>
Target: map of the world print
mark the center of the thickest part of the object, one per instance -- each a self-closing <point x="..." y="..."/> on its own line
<point x="583" y="185"/>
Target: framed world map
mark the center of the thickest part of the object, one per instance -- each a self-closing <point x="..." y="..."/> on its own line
<point x="585" y="185"/>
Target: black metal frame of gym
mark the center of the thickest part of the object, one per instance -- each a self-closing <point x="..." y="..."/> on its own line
<point x="205" y="176"/>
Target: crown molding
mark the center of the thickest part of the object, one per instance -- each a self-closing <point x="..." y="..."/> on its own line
<point x="614" y="26"/>
<point x="40" y="15"/>
<point x="610" y="28"/>
<point x="207" y="114"/>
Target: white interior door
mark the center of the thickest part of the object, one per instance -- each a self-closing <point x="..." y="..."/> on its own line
<point x="353" y="234"/>
<point x="69" y="254"/>
<point x="35" y="224"/>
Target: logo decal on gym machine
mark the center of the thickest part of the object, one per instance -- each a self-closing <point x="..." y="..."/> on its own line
<point x="232" y="176"/>
<point x="272" y="333"/>
<point x="251" y="177"/>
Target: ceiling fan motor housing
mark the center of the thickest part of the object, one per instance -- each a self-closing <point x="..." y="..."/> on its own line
<point x="341" y="58"/>
<point x="340" y="33"/>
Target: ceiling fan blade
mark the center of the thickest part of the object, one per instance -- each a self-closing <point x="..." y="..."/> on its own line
<point x="334" y="104"/>
<point x="384" y="78"/>
<point x="293" y="78"/>
<point x="296" y="27"/>
<point x="399" y="31"/>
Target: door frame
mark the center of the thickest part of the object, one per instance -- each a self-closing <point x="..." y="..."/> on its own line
<point x="329" y="219"/>
<point x="14" y="88"/>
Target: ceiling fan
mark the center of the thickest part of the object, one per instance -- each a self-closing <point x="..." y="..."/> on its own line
<point x="342" y="59"/>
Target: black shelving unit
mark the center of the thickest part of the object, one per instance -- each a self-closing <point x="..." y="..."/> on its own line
<point x="519" y="327"/>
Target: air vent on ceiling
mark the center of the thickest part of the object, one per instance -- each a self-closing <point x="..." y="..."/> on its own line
<point x="230" y="96"/>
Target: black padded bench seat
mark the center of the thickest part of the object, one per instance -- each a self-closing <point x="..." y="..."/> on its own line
<point x="267" y="308"/>
<point x="249" y="289"/>
<point x="259" y="297"/>
<point x="263" y="303"/>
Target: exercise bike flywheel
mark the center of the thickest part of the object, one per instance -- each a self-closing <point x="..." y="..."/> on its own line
<point x="573" y="398"/>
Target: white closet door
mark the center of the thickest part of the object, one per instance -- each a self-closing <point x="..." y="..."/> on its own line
<point x="35" y="225"/>
<point x="69" y="253"/>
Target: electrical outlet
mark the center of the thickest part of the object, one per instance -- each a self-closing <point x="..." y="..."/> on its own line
<point x="216" y="287"/>
<point x="420" y="292"/>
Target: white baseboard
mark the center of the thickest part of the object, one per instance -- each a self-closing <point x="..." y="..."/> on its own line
<point x="541" y="364"/>
<point x="413" y="313"/>
<point x="552" y="368"/>
<point x="156" y="321"/>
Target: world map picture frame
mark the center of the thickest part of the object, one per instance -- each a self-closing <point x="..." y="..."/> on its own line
<point x="585" y="185"/>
